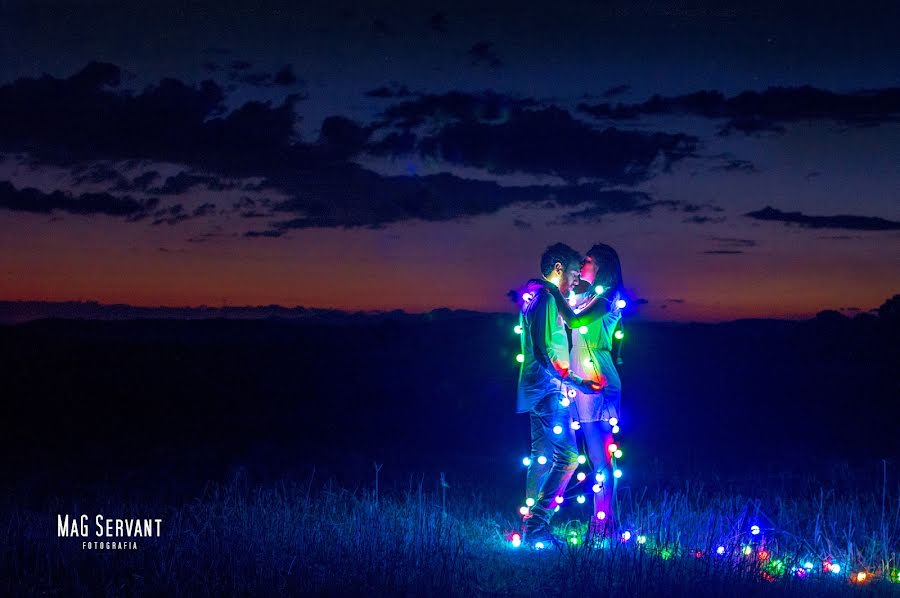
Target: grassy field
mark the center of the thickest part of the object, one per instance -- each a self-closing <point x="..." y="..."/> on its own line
<point x="421" y="538"/>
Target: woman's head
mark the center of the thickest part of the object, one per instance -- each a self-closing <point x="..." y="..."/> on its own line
<point x="601" y="266"/>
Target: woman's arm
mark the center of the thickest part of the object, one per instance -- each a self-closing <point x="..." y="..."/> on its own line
<point x="596" y="308"/>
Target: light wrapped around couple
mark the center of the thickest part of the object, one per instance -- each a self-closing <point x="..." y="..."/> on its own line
<point x="566" y="385"/>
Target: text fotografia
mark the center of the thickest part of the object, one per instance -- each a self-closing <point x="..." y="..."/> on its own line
<point x="106" y="533"/>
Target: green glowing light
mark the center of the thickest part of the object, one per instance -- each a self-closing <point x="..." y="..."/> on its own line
<point x="599" y="289"/>
<point x="642" y="539"/>
<point x="618" y="454"/>
<point x="619" y="334"/>
<point x="517" y="329"/>
<point x="747" y="550"/>
<point x="520" y="358"/>
<point x="582" y="459"/>
<point x="665" y="553"/>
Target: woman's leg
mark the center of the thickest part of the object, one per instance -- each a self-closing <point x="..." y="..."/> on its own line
<point x="597" y="437"/>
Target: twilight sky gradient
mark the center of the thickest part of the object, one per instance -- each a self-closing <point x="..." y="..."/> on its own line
<point x="745" y="162"/>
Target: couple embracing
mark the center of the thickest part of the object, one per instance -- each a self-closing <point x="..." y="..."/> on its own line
<point x="568" y="380"/>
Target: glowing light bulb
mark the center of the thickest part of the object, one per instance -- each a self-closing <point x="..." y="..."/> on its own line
<point x="559" y="500"/>
<point x="526" y="297"/>
<point x="615" y="429"/>
<point x="807" y="565"/>
<point x="642" y="539"/>
<point x="601" y="515"/>
<point x="573" y="540"/>
<point x="518" y="329"/>
<point x="613" y="421"/>
<point x="526" y="461"/>
<point x="572" y="299"/>
<point x="529" y="501"/>
<point x="542" y="460"/>
<point x="583" y="329"/>
<point x="587" y="362"/>
<point x="520" y="358"/>
<point x="747" y="550"/>
<point x="613" y="447"/>
<point x="539" y="545"/>
<point x="516" y="542"/>
<point x="557" y="429"/>
<point x="523" y="510"/>
<point x="626" y="535"/>
<point x="617" y="473"/>
<point x="599" y="289"/>
<point x="720" y="550"/>
<point x="572" y="393"/>
<point x="835" y="568"/>
<point x="621" y="303"/>
<point x="600" y="477"/>
<point x="618" y="454"/>
<point x="619" y="334"/>
<point x="581" y="476"/>
<point x="580" y="499"/>
<point x="582" y="459"/>
<point x="861" y="576"/>
<point x="596" y="488"/>
<point x="516" y="537"/>
<point x="754" y="529"/>
<point x="575" y="425"/>
<point x="565" y="402"/>
<point x="763" y="555"/>
<point x="556" y="509"/>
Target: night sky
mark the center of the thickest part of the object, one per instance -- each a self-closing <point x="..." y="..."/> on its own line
<point x="745" y="162"/>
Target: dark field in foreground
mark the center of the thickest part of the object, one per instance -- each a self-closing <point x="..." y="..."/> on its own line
<point x="242" y="538"/>
<point x="787" y="425"/>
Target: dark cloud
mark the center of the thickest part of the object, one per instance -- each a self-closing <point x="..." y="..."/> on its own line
<point x="240" y="65"/>
<point x="35" y="201"/>
<point x="285" y="77"/>
<point x="171" y="215"/>
<point x="366" y="199"/>
<point x="483" y="53"/>
<point x="185" y="181"/>
<point x="97" y="173"/>
<point x="700" y="219"/>
<point x="523" y="224"/>
<point x="734" y="242"/>
<point x="437" y="109"/>
<point x="842" y="221"/>
<point x="394" y="91"/>
<point x="616" y="91"/>
<point x="438" y="22"/>
<point x="724" y="252"/>
<point x="545" y="141"/>
<point x="206" y="209"/>
<point x="730" y="164"/>
<point x="766" y="111"/>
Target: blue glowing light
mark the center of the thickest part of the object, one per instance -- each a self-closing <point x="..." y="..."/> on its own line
<point x="580" y="499"/>
<point x="582" y="459"/>
<point x="613" y="421"/>
<point x="754" y="529"/>
<point x="617" y="473"/>
<point x="615" y="429"/>
<point x="621" y="303"/>
<point x="557" y="429"/>
<point x="720" y="550"/>
<point x="542" y="460"/>
<point x="526" y="461"/>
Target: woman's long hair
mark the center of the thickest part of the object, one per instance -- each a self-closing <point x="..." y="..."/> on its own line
<point x="609" y="268"/>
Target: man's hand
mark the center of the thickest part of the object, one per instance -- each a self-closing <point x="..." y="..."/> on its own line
<point x="588" y="387"/>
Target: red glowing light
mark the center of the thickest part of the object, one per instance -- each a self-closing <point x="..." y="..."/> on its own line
<point x="763" y="555"/>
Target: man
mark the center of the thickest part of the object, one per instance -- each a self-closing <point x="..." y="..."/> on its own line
<point x="543" y="378"/>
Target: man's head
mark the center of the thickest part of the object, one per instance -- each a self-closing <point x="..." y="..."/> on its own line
<point x="560" y="265"/>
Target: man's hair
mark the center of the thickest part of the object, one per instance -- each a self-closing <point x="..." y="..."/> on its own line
<point x="559" y="252"/>
<point x="609" y="269"/>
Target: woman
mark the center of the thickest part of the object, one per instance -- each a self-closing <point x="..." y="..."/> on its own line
<point x="592" y="360"/>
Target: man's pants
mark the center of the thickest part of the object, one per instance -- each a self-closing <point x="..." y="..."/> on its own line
<point x="548" y="480"/>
